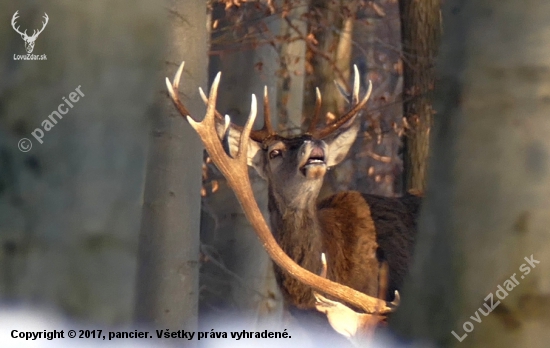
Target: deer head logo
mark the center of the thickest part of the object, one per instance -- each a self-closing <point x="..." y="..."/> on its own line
<point x="29" y="40"/>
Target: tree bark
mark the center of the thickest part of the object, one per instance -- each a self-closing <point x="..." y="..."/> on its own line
<point x="487" y="202"/>
<point x="293" y="56"/>
<point x="420" y="32"/>
<point x="330" y="60"/>
<point x="167" y="284"/>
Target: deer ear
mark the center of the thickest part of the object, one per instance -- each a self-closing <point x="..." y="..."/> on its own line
<point x="340" y="142"/>
<point x="255" y="157"/>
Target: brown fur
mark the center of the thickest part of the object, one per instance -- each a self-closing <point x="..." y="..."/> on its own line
<point x="357" y="232"/>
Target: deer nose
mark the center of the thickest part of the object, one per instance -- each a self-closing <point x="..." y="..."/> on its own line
<point x="311" y="143"/>
<point x="317" y="151"/>
<point x="314" y="145"/>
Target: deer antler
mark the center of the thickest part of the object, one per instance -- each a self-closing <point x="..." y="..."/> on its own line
<point x="331" y="128"/>
<point x="256" y="135"/>
<point x="235" y="170"/>
<point x="318" y="104"/>
<point x="345" y="320"/>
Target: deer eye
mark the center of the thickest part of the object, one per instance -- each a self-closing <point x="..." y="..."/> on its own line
<point x="275" y="153"/>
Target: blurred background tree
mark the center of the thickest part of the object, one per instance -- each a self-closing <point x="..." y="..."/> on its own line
<point x="486" y="206"/>
<point x="168" y="258"/>
<point x="70" y="207"/>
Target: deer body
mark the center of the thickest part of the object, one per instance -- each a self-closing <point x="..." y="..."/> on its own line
<point x="358" y="233"/>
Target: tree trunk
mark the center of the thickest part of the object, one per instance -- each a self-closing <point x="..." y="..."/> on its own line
<point x="330" y="60"/>
<point x="293" y="57"/>
<point x="420" y="32"/>
<point x="375" y="158"/>
<point x="167" y="284"/>
<point x="487" y="200"/>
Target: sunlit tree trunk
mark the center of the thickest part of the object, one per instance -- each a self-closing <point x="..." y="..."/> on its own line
<point x="420" y="32"/>
<point x="292" y="56"/>
<point x="330" y="61"/>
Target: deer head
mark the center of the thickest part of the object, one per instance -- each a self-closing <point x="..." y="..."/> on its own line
<point x="291" y="161"/>
<point x="295" y="166"/>
<point x="29" y="40"/>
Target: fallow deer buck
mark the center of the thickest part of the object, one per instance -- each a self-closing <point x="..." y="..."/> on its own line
<point x="357" y="232"/>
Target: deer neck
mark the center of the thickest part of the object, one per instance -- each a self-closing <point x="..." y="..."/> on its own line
<point x="296" y="228"/>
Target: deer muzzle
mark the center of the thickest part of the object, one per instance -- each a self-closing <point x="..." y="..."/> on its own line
<point x="313" y="164"/>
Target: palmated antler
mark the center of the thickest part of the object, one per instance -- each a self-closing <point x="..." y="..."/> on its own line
<point x="235" y="170"/>
<point x="345" y="320"/>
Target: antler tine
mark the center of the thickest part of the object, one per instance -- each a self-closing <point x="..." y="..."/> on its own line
<point x="173" y="87"/>
<point x="225" y="138"/>
<point x="211" y="105"/>
<point x="343" y="319"/>
<point x="245" y="135"/>
<point x="342" y="91"/>
<point x="329" y="129"/>
<point x="257" y="135"/>
<point x="226" y="124"/>
<point x="207" y="128"/>
<point x="356" y="84"/>
<point x="177" y="76"/>
<point x="323" y="273"/>
<point x="324" y="262"/>
<point x="396" y="299"/>
<point x="318" y="102"/>
<point x="205" y="100"/>
<point x="210" y="110"/>
<point x="267" y="114"/>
